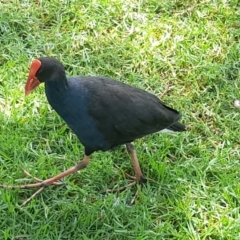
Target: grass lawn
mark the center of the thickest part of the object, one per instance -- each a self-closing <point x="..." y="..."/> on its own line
<point x="190" y="48"/>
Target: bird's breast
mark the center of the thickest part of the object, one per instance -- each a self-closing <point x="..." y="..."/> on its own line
<point x="72" y="105"/>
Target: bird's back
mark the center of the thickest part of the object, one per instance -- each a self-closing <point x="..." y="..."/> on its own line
<point x="124" y="113"/>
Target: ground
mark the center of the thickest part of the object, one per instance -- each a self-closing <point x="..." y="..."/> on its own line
<point x="187" y="53"/>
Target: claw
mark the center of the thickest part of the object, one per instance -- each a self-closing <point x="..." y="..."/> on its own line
<point x="51" y="181"/>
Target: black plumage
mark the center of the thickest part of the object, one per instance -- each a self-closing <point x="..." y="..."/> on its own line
<point x="105" y="113"/>
<point x="102" y="112"/>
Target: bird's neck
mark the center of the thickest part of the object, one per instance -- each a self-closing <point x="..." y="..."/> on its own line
<point x="56" y="86"/>
<point x="56" y="91"/>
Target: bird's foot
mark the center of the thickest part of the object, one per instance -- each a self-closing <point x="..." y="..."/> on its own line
<point x="38" y="180"/>
<point x="39" y="184"/>
<point x="142" y="180"/>
<point x="124" y="188"/>
<point x="50" y="181"/>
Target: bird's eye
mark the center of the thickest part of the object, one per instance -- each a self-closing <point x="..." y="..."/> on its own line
<point x="39" y="71"/>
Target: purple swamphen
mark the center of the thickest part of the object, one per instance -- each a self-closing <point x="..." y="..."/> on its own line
<point x="102" y="112"/>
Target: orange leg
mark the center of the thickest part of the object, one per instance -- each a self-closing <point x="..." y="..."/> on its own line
<point x="138" y="178"/>
<point x="51" y="181"/>
<point x="136" y="166"/>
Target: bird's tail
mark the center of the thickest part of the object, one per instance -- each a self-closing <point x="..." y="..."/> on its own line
<point x="177" y="127"/>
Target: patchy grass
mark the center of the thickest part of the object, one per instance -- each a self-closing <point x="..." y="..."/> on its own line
<point x="191" y="46"/>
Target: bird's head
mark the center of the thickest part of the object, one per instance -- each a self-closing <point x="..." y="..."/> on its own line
<point x="44" y="69"/>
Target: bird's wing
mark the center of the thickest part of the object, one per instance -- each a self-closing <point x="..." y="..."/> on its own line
<point x="124" y="113"/>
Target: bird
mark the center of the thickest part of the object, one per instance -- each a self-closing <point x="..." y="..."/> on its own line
<point x="102" y="112"/>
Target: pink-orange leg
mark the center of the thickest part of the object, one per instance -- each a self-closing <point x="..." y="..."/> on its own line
<point x="51" y="181"/>
<point x="138" y="178"/>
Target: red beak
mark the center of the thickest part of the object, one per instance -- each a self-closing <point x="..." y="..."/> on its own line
<point x="32" y="81"/>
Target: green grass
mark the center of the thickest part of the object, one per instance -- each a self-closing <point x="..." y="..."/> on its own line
<point x="192" y="46"/>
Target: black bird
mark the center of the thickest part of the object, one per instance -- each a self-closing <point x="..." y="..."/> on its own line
<point x="102" y="112"/>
